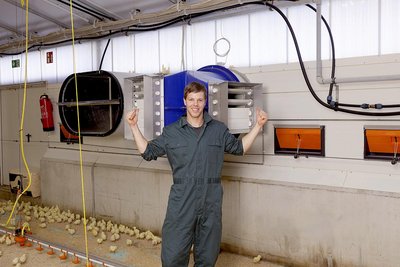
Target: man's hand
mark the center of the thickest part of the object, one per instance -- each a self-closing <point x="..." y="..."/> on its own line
<point x="249" y="138"/>
<point x="261" y="116"/>
<point x="132" y="117"/>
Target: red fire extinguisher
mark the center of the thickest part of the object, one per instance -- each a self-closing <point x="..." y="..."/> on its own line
<point x="46" y="110"/>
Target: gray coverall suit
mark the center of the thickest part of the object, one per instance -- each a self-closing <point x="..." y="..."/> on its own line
<point x="195" y="199"/>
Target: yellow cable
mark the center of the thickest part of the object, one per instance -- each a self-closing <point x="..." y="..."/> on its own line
<point x="25" y="225"/>
<point x="21" y="128"/>
<point x="79" y="136"/>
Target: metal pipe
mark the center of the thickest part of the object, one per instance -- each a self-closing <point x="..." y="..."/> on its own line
<point x="240" y="102"/>
<point x="319" y="61"/>
<point x="360" y="79"/>
<point x="239" y="91"/>
<point x="320" y="78"/>
<point x="90" y="103"/>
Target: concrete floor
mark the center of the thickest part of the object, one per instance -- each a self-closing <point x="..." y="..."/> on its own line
<point x="141" y="254"/>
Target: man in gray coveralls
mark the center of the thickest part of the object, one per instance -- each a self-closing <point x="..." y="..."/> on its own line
<point x="195" y="146"/>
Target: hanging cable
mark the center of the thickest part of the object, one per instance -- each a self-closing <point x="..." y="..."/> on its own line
<point x="79" y="138"/>
<point x="21" y="128"/>
<point x="104" y="53"/>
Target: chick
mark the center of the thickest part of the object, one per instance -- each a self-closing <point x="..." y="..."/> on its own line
<point x="103" y="236"/>
<point x="22" y="259"/>
<point x="156" y="240"/>
<point x="257" y="259"/>
<point x="15" y="261"/>
<point x="71" y="231"/>
<point x="113" y="249"/>
<point x="112" y="238"/>
<point x="8" y="241"/>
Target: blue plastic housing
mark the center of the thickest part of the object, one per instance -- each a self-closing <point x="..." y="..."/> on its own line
<point x="174" y="85"/>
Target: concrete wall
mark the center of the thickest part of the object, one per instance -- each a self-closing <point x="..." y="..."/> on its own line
<point x="298" y="211"/>
<point x="294" y="223"/>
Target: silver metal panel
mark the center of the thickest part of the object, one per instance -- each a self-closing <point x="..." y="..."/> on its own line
<point x="144" y="92"/>
<point x="235" y="103"/>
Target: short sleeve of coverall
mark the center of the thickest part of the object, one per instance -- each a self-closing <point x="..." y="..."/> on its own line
<point x="232" y="144"/>
<point x="155" y="148"/>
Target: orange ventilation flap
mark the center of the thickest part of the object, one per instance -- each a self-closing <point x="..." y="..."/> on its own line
<point x="381" y="143"/>
<point x="293" y="140"/>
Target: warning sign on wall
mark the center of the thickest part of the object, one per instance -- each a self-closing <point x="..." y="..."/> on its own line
<point x="15" y="63"/>
<point x="49" y="57"/>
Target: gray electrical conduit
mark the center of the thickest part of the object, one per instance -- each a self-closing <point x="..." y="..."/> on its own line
<point x="320" y="78"/>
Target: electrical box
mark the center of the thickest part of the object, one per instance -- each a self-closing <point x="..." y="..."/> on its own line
<point x="145" y="93"/>
<point x="19" y="181"/>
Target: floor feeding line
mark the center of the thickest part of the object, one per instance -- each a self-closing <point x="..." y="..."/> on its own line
<point x="79" y="136"/>
<point x="65" y="251"/>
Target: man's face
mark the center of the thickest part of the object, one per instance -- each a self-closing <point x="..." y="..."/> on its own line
<point x="195" y="103"/>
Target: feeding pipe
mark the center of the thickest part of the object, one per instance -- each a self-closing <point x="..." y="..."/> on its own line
<point x="67" y="251"/>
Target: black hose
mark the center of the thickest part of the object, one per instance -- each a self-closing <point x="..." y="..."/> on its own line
<point x="328" y="28"/>
<point x="310" y="88"/>
<point x="157" y="26"/>
<point x="329" y="98"/>
<point x="104" y="53"/>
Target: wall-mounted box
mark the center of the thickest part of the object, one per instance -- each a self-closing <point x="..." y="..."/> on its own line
<point x="382" y="142"/>
<point x="299" y="140"/>
<point x="19" y="181"/>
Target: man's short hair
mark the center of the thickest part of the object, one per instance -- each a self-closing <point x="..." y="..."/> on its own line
<point x="194" y="87"/>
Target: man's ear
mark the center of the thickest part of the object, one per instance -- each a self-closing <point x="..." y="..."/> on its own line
<point x="184" y="102"/>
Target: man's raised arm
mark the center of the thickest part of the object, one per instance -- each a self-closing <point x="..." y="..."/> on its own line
<point x="249" y="138"/>
<point x="132" y="119"/>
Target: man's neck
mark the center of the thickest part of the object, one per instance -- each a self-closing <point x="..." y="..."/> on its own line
<point x="195" y="122"/>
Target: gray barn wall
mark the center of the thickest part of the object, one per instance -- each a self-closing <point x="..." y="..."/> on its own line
<point x="300" y="211"/>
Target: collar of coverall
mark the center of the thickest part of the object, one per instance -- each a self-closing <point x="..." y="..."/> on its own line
<point x="183" y="121"/>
